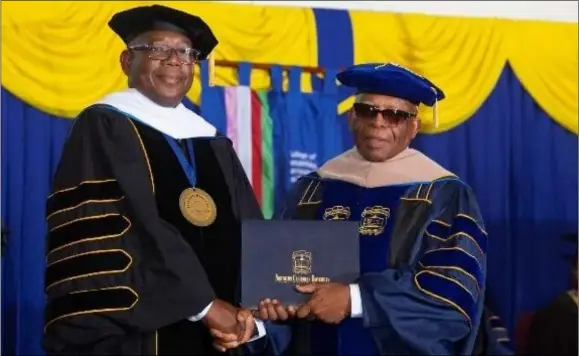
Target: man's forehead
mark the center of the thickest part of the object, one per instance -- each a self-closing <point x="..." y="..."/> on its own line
<point x="384" y="100"/>
<point x="156" y="36"/>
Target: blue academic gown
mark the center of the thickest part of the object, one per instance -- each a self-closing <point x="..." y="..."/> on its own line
<point x="423" y="268"/>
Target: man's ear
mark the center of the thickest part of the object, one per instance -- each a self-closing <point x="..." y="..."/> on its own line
<point x="350" y="117"/>
<point x="417" y="124"/>
<point x="126" y="60"/>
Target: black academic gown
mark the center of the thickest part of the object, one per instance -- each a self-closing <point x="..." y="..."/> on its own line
<point x="553" y="329"/>
<point x="125" y="270"/>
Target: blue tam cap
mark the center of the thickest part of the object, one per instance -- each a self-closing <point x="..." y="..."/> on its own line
<point x="392" y="80"/>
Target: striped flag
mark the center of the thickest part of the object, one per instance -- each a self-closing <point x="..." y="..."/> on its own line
<point x="249" y="126"/>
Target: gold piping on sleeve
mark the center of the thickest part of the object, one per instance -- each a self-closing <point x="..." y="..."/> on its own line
<point x="89" y="239"/>
<point x="92" y="274"/>
<point x="94" y="311"/>
<point x="81" y="183"/>
<point x="84" y="203"/>
<point x="436" y="296"/>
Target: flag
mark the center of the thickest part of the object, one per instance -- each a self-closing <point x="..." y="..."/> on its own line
<point x="249" y="126"/>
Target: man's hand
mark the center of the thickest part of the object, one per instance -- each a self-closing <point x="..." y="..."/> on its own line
<point x="329" y="303"/>
<point x="223" y="341"/>
<point x="222" y="316"/>
<point x="273" y="310"/>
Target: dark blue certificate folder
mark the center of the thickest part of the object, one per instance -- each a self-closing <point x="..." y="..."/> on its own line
<point x="277" y="255"/>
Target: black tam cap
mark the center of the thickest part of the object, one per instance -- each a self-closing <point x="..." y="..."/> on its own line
<point x="133" y="22"/>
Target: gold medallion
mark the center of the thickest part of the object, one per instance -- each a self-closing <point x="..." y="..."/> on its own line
<point x="197" y="207"/>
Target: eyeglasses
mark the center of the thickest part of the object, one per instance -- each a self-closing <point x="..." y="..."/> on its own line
<point x="391" y="116"/>
<point x="162" y="53"/>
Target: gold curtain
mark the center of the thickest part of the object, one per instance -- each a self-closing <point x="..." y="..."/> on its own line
<point x="60" y="56"/>
<point x="465" y="57"/>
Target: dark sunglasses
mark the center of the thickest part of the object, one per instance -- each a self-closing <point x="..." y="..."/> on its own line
<point x="393" y="116"/>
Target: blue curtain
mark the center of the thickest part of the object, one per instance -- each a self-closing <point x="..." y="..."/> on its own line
<point x="305" y="128"/>
<point x="523" y="168"/>
<point x="31" y="147"/>
<point x="521" y="164"/>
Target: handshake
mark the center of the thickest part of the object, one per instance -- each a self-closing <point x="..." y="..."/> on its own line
<point x="232" y="327"/>
<point x="229" y="326"/>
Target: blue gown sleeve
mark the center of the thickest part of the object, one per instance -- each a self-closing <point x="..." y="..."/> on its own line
<point x="433" y="304"/>
<point x="275" y="343"/>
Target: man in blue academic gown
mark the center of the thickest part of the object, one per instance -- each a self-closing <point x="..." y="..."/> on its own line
<point x="422" y="239"/>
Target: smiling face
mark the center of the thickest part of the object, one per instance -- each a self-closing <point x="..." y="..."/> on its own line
<point x="165" y="81"/>
<point x="383" y="126"/>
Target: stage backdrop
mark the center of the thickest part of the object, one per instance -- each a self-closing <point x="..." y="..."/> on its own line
<point x="521" y="164"/>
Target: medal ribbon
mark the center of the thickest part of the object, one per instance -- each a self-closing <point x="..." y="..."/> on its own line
<point x="188" y="166"/>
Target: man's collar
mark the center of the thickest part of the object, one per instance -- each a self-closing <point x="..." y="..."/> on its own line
<point x="178" y="122"/>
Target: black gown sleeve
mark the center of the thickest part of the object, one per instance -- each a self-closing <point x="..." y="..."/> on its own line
<point x="114" y="267"/>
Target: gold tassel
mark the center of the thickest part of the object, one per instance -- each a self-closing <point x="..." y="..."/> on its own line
<point x="435" y="115"/>
<point x="211" y="59"/>
<point x="435" y="109"/>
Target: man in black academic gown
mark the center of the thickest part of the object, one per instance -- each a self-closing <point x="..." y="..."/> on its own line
<point x="422" y="238"/>
<point x="553" y="329"/>
<point x="144" y="217"/>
